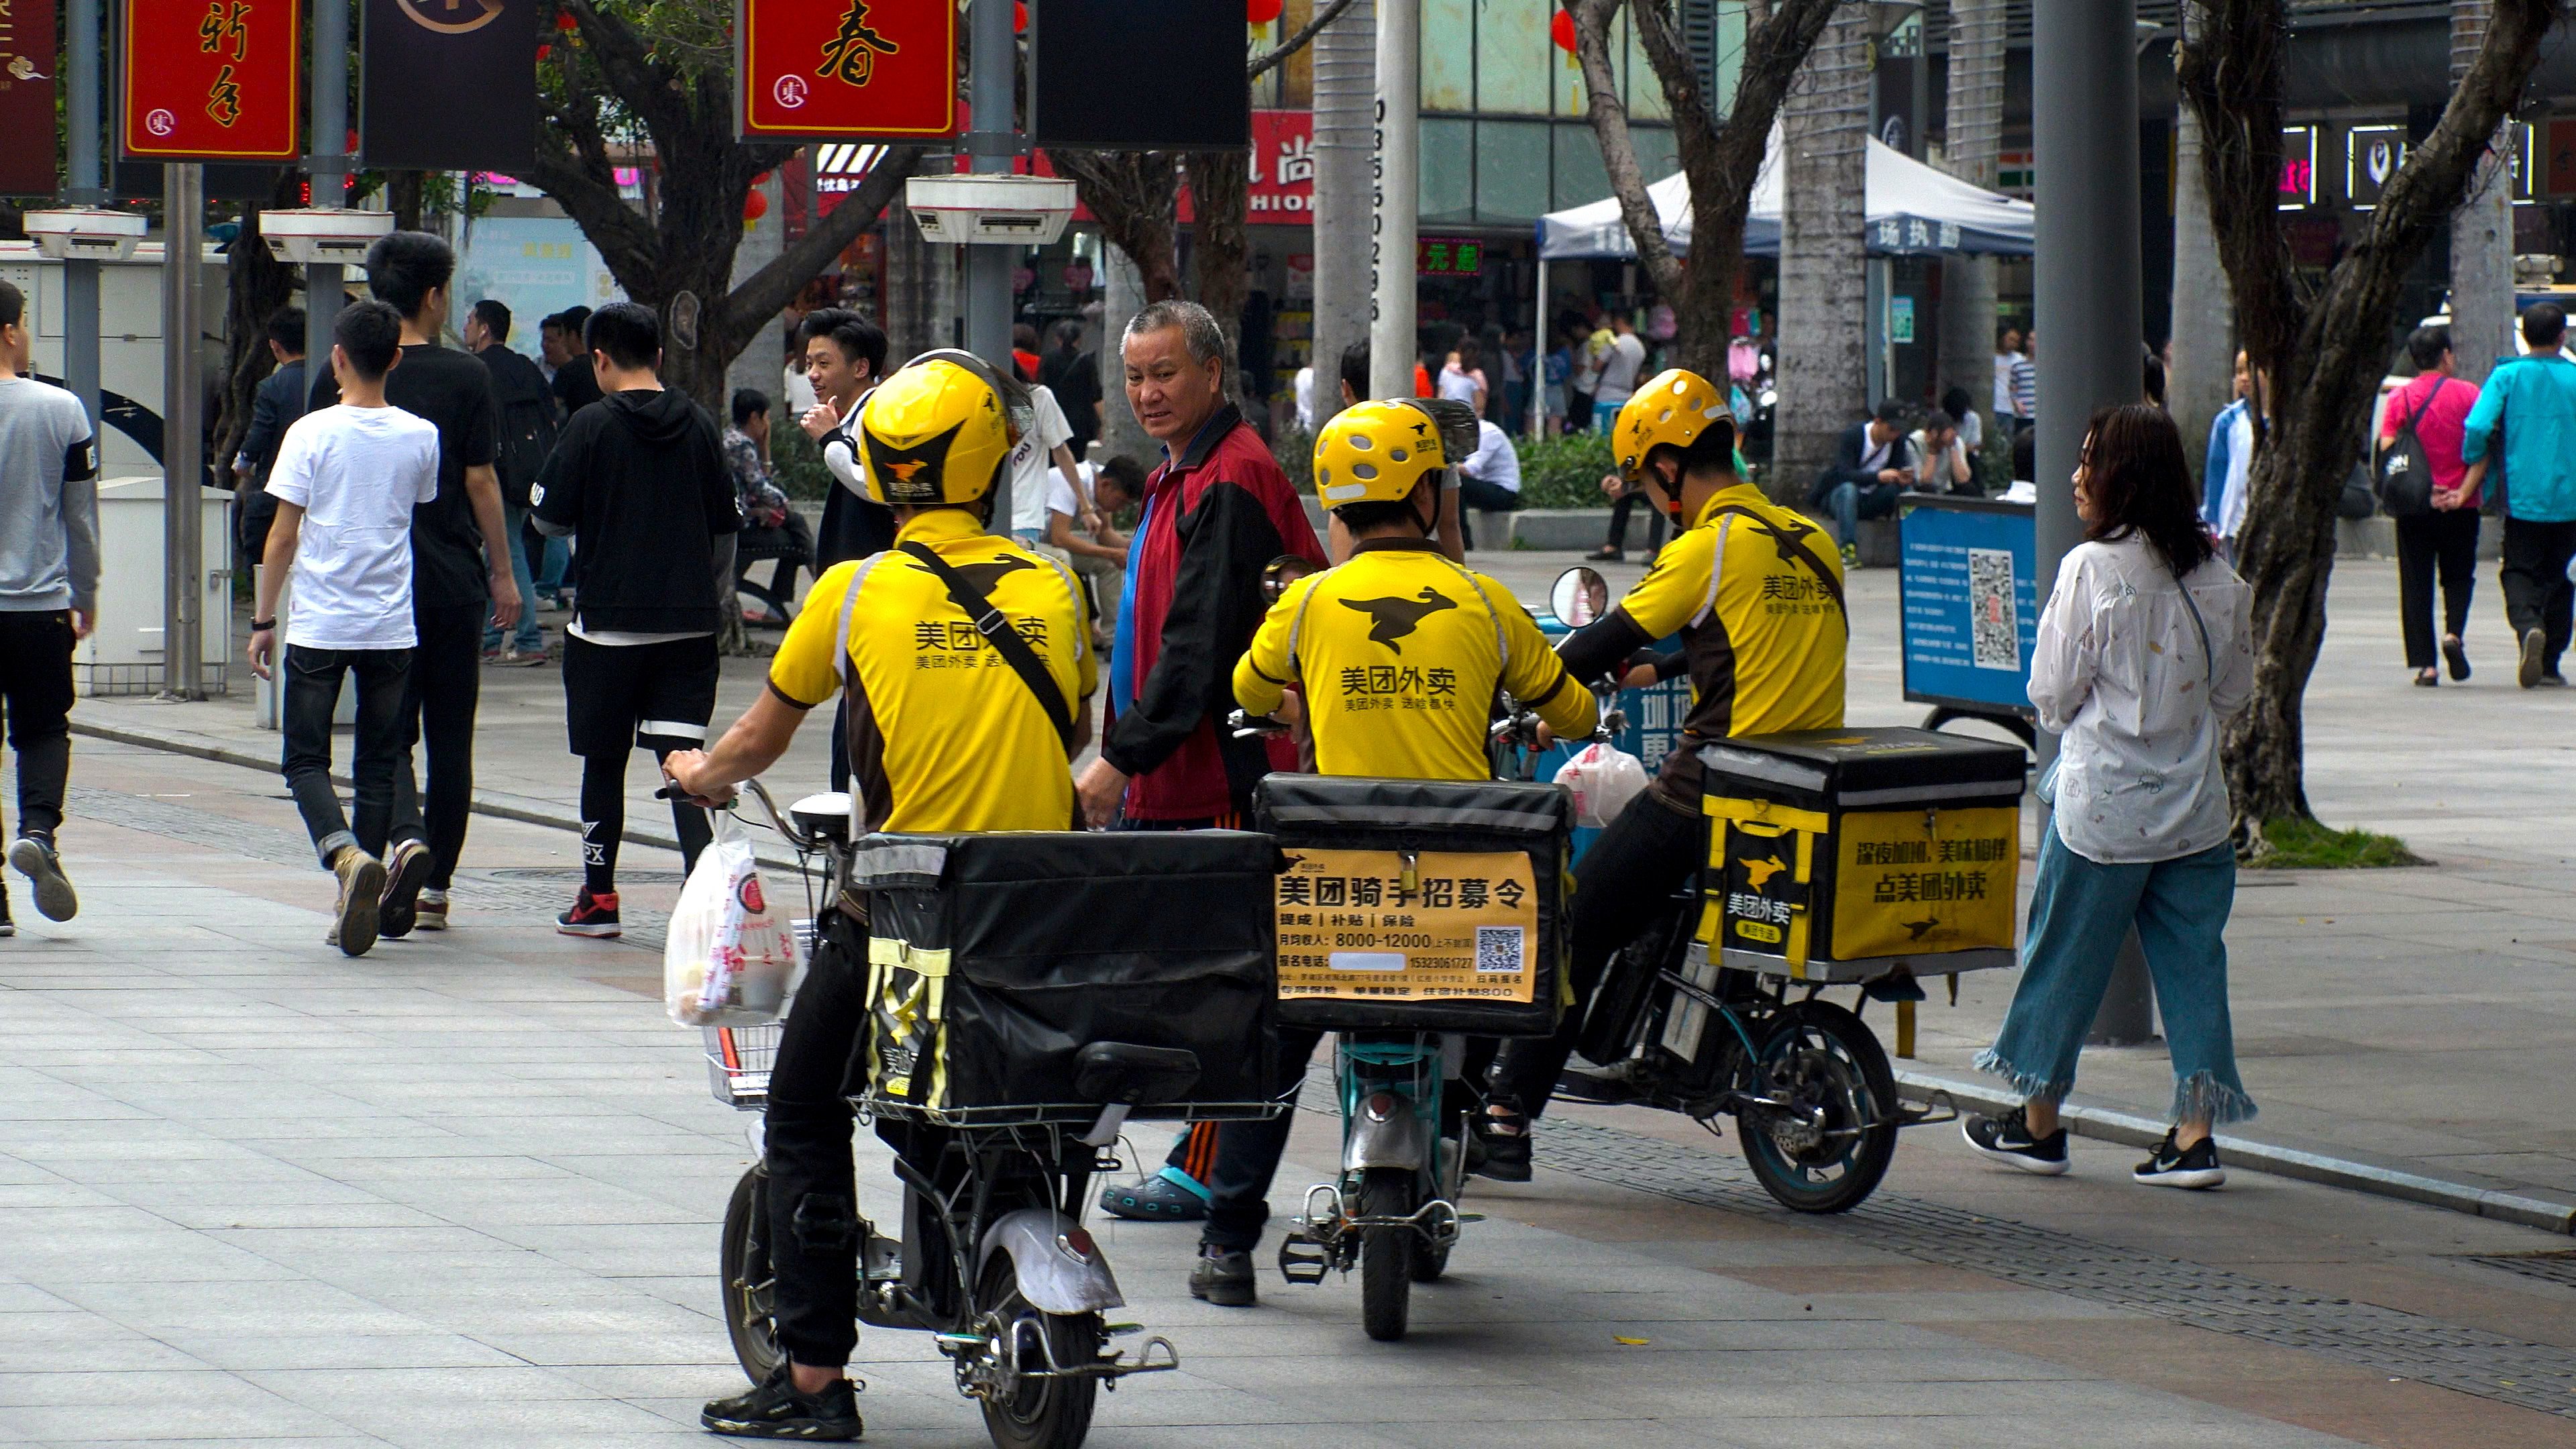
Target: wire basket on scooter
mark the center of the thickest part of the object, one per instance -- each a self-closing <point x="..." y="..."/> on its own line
<point x="739" y="1057"/>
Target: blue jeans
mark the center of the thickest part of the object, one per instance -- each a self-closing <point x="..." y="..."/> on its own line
<point x="1851" y="503"/>
<point x="2079" y="916"/>
<point x="530" y="637"/>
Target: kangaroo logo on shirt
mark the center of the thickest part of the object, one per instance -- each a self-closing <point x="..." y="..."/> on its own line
<point x="984" y="575"/>
<point x="1392" y="619"/>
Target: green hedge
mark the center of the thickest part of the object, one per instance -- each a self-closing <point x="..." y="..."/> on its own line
<point x="796" y="462"/>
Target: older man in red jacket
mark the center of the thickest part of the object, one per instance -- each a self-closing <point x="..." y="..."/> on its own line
<point x="1216" y="513"/>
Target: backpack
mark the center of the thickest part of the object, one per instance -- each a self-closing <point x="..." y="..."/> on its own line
<point x="527" y="436"/>
<point x="2405" y="481"/>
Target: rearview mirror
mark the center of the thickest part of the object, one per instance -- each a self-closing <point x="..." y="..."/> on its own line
<point x="1579" y="596"/>
<point x="1280" y="573"/>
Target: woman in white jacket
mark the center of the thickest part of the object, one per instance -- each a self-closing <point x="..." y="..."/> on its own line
<point x="2142" y="653"/>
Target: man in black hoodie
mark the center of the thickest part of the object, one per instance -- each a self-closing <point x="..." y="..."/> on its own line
<point x="639" y="484"/>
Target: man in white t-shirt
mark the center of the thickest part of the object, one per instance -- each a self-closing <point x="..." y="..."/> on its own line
<point x="1619" y="369"/>
<point x="1089" y="542"/>
<point x="346" y="480"/>
<point x="1043" y="450"/>
<point x="1489" y="481"/>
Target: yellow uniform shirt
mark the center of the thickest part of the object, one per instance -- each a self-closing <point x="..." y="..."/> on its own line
<point x="1756" y="592"/>
<point x="1400" y="652"/>
<point x="943" y="734"/>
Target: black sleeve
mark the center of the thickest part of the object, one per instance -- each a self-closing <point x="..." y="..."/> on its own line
<point x="1673" y="665"/>
<point x="259" y="442"/>
<point x="557" y="493"/>
<point x="1216" y="606"/>
<point x="325" y="392"/>
<point x="482" y="419"/>
<point x="1847" y="456"/>
<point x="1591" y="652"/>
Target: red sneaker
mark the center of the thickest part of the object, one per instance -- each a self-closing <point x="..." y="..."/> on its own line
<point x="591" y="916"/>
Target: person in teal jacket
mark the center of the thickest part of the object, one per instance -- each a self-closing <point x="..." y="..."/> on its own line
<point x="2526" y="415"/>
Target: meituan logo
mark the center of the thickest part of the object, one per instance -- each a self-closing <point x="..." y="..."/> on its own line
<point x="417" y="11"/>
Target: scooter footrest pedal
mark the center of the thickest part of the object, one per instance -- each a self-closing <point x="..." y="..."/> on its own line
<point x="1303" y="1261"/>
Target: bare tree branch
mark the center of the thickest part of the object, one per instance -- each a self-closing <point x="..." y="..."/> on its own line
<point x="1298" y="41"/>
<point x="765" y="292"/>
<point x="1133" y="193"/>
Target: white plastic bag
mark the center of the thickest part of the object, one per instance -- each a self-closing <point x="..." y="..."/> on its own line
<point x="1604" y="778"/>
<point x="730" y="958"/>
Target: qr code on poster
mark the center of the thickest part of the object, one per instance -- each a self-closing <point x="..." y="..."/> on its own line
<point x="1994" y="635"/>
<point x="1498" y="948"/>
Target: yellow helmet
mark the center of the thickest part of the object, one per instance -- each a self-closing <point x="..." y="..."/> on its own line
<point x="1375" y="452"/>
<point x="937" y="431"/>
<point x="1673" y="409"/>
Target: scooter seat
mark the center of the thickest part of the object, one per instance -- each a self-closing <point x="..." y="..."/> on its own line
<point x="1137" y="1076"/>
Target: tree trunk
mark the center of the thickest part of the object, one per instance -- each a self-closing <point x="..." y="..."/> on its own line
<point x="1220" y="251"/>
<point x="1123" y="289"/>
<point x="2204" y="327"/>
<point x="2324" y="357"/>
<point x="2482" y="229"/>
<point x="1972" y="136"/>
<point x="1823" y="287"/>
<point x="256" y="284"/>
<point x="403" y="198"/>
<point x="1345" y="95"/>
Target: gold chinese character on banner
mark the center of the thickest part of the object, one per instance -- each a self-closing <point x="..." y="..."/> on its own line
<point x="852" y="54"/>
<point x="226" y="26"/>
<point x="223" y="98"/>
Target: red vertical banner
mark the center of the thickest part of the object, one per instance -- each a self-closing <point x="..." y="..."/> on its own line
<point x="211" y="80"/>
<point x="836" y="70"/>
<point x="28" y="63"/>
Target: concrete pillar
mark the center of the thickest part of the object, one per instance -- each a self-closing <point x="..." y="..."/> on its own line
<point x="2482" y="317"/>
<point x="1972" y="138"/>
<point x="1124" y="287"/>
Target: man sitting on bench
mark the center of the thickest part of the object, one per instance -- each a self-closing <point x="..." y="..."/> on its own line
<point x="771" y="527"/>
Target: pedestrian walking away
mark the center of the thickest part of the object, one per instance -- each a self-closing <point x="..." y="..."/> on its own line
<point x="527" y="414"/>
<point x="275" y="403"/>
<point x="48" y="595"/>
<point x="2422" y="427"/>
<point x="348" y="480"/>
<point x="462" y="580"/>
<point x="937" y="750"/>
<point x="2524" y="428"/>
<point x="2143" y="651"/>
<point x="640" y="485"/>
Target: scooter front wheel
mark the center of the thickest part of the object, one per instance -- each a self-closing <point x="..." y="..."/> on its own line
<point x="1044" y="1413"/>
<point x="1387" y="1254"/>
<point x="750" y="1285"/>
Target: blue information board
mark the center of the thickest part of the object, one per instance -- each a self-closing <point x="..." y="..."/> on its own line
<point x="1968" y="582"/>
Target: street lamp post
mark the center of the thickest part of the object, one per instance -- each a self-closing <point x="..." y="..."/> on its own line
<point x="2084" y="129"/>
<point x="85" y="187"/>
<point x="1392" y="205"/>
<point x="994" y="66"/>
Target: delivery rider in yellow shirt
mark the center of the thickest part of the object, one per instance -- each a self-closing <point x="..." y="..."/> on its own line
<point x="1756" y="592"/>
<point x="942" y="737"/>
<point x="1399" y="654"/>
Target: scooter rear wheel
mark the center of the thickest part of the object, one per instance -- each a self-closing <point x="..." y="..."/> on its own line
<point x="1387" y="1254"/>
<point x="1826" y="1061"/>
<point x="750" y="1303"/>
<point x="1044" y="1413"/>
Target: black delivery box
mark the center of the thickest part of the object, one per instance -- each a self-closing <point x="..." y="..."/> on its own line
<point x="994" y="959"/>
<point x="1860" y="845"/>
<point x="1419" y="905"/>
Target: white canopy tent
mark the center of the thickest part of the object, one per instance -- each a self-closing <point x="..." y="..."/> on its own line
<point x="1911" y="209"/>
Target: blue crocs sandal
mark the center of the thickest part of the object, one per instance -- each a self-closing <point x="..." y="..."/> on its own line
<point x="1165" y="1197"/>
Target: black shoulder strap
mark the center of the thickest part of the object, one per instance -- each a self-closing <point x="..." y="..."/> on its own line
<point x="1796" y="548"/>
<point x="1006" y="641"/>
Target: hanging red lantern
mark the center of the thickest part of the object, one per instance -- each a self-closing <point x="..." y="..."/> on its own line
<point x="564" y="21"/>
<point x="1262" y="12"/>
<point x="544" y="50"/>
<point x="755" y="206"/>
<point x="1561" y="30"/>
<point x="1019" y="17"/>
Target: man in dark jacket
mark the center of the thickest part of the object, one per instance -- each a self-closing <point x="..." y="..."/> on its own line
<point x="277" y="403"/>
<point x="845" y="358"/>
<point x="574" y="384"/>
<point x="640" y="485"/>
<point x="1216" y="513"/>
<point x="527" y="435"/>
<point x="1872" y="464"/>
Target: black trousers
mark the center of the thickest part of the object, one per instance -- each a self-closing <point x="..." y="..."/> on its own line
<point x="445" y="683"/>
<point x="2536" y="592"/>
<point x="1619" y="521"/>
<point x="2443" y="541"/>
<point x="1474" y="495"/>
<point x="384" y="812"/>
<point x="1246" y="1154"/>
<point x="1620" y="886"/>
<point x="36" y="698"/>
<point x="813" y="1185"/>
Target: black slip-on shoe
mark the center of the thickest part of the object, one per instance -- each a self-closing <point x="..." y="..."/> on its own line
<point x="774" y="1410"/>
<point x="1224" y="1277"/>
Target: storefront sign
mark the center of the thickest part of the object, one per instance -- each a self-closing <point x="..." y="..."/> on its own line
<point x="448" y="86"/>
<point x="2372" y="155"/>
<point x="1280" y="184"/>
<point x="1448" y="257"/>
<point x="27" y="67"/>
<point x="841" y="70"/>
<point x="2298" y="167"/>
<point x="211" y="79"/>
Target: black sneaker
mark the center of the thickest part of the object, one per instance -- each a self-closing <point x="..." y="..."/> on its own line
<point x="1224" y="1277"/>
<point x="1155" y="1199"/>
<point x="776" y="1411"/>
<point x="2006" y="1138"/>
<point x="406" y="871"/>
<point x="2171" y="1166"/>
<point x="35" y="858"/>
<point x="1507" y="1154"/>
